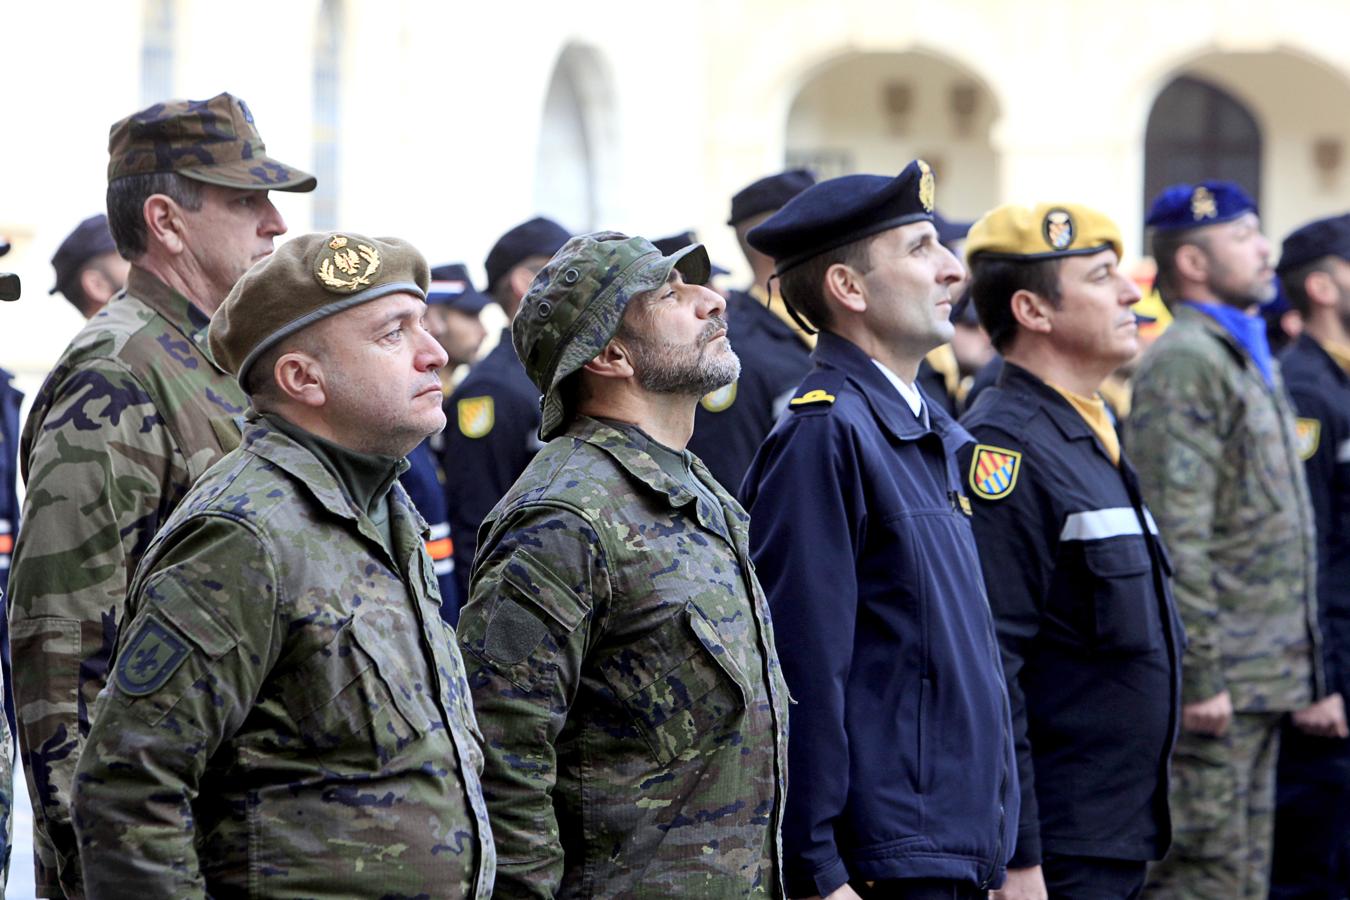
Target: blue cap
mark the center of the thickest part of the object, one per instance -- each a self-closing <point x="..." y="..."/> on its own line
<point x="668" y="245"/>
<point x="1317" y="239"/>
<point x="451" y="286"/>
<point x="843" y="210"/>
<point x="1185" y="206"/>
<point x="537" y="237"/>
<point x="769" y="193"/>
<point x="89" y="239"/>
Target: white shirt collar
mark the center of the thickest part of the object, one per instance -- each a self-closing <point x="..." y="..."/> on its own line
<point x="908" y="391"/>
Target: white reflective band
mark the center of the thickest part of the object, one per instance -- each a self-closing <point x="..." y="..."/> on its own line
<point x="444" y="567"/>
<point x="1152" y="525"/>
<point x="4" y="526"/>
<point x="4" y="560"/>
<point x="1343" y="452"/>
<point x="440" y="531"/>
<point x="1099" y="524"/>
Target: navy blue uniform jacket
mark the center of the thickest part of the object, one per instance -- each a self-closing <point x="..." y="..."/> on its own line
<point x="422" y="481"/>
<point x="900" y="751"/>
<point x="1081" y="590"/>
<point x="480" y="467"/>
<point x="10" y="401"/>
<point x="731" y="423"/>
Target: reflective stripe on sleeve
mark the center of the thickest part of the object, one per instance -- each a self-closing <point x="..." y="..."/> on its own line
<point x="1343" y="452"/>
<point x="1099" y="524"/>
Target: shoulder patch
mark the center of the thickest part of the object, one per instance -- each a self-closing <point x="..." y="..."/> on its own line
<point x="476" y="416"/>
<point x="812" y="398"/>
<point x="993" y="471"/>
<point x="1307" y="435"/>
<point x="151" y="657"/>
<point x="720" y="399"/>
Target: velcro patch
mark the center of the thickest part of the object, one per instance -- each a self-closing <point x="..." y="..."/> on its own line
<point x="149" y="659"/>
<point x="993" y="471"/>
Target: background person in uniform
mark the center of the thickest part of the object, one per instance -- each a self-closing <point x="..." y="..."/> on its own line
<point x="940" y="373"/>
<point x="288" y="715"/>
<point x="903" y="775"/>
<point x="1212" y="436"/>
<point x="668" y="245"/>
<point x="621" y="656"/>
<point x="732" y="421"/>
<point x="453" y="310"/>
<point x="494" y="413"/>
<point x="88" y="270"/>
<point x="1078" y="578"/>
<point x="135" y="401"/>
<point x="1312" y="814"/>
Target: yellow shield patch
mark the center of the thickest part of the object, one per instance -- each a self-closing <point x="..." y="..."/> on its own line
<point x="720" y="399"/>
<point x="1307" y="435"/>
<point x="993" y="471"/>
<point x="476" y="416"/>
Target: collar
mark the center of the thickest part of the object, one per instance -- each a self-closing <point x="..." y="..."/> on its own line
<point x="1016" y="380"/>
<point x="1337" y="357"/>
<point x="174" y="308"/>
<point x="908" y="392"/>
<point x="886" y="403"/>
<point x="1247" y="332"/>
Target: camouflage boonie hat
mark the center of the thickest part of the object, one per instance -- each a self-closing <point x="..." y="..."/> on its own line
<point x="214" y="141"/>
<point x="575" y="304"/>
<point x="308" y="279"/>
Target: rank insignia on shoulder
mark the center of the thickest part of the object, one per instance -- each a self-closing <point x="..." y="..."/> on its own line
<point x="150" y="659"/>
<point x="812" y="397"/>
<point x="476" y="416"/>
<point x="720" y="399"/>
<point x="993" y="471"/>
<point x="1307" y="435"/>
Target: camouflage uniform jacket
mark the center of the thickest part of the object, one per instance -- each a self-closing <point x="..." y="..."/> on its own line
<point x="133" y="413"/>
<point x="1216" y="454"/>
<point x="288" y="714"/>
<point x="624" y="672"/>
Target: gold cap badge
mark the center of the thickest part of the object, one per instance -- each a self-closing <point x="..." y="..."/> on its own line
<point x="1057" y="229"/>
<point x="927" y="186"/>
<point x="1203" y="205"/>
<point x="343" y="269"/>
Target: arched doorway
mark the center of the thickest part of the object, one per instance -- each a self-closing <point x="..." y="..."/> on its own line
<point x="574" y="140"/>
<point x="1198" y="131"/>
<point x="873" y="112"/>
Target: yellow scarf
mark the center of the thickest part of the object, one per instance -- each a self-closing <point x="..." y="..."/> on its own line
<point x="1093" y="411"/>
<point x="1340" y="353"/>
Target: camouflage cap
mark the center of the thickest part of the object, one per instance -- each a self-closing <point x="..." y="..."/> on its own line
<point x="306" y="280"/>
<point x="574" y="306"/>
<point x="214" y="141"/>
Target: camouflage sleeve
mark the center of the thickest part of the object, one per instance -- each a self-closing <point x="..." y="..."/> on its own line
<point x="99" y="467"/>
<point x="6" y="797"/>
<point x="525" y="634"/>
<point x="200" y="637"/>
<point x="1178" y="417"/>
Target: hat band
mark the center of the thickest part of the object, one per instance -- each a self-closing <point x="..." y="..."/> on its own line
<point x="323" y="312"/>
<point x="1049" y="254"/>
<point x="792" y="262"/>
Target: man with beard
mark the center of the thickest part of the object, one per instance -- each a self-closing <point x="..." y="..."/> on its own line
<point x="88" y="270"/>
<point x="1213" y="438"/>
<point x="288" y="715"/>
<point x="618" y="642"/>
<point x="135" y="411"/>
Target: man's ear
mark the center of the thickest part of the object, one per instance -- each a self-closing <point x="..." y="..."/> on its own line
<point x="1032" y="311"/>
<point x="164" y="224"/>
<point x="519" y="278"/>
<point x="615" y="361"/>
<point x="843" y="286"/>
<point x="1192" y="263"/>
<point x="300" y="378"/>
<point x="1321" y="288"/>
<point x="95" y="285"/>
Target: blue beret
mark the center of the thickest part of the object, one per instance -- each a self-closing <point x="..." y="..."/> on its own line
<point x="769" y="193"/>
<point x="668" y="246"/>
<point x="1324" y="237"/>
<point x="843" y="210"/>
<point x="537" y="237"/>
<point x="452" y="287"/>
<point x="1184" y="206"/>
<point x="89" y="239"/>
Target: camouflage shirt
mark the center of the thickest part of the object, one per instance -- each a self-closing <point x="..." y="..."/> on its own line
<point x="623" y="668"/>
<point x="133" y="413"/>
<point x="288" y="714"/>
<point x="1216" y="454"/>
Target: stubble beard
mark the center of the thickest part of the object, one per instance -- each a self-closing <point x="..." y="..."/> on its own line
<point x="666" y="368"/>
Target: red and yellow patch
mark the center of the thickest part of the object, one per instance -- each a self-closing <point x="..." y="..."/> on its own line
<point x="993" y="471"/>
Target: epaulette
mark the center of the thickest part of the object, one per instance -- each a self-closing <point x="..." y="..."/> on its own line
<point x="818" y="392"/>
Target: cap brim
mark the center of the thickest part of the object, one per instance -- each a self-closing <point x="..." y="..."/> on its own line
<point x="260" y="174"/>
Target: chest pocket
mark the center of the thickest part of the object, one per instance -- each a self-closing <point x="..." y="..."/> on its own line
<point x="352" y="709"/>
<point x="678" y="683"/>
<point x="1124" y="602"/>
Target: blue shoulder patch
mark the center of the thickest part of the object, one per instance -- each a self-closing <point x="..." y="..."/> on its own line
<point x="150" y="659"/>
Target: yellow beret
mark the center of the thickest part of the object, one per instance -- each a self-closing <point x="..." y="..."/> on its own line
<point x="308" y="279"/>
<point x="1045" y="231"/>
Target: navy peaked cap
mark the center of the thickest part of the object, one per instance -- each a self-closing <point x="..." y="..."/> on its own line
<point x="769" y="193"/>
<point x="1184" y="206"/>
<point x="843" y="210"/>
<point x="1317" y="239"/>
<point x="537" y="237"/>
<point x="668" y="245"/>
<point x="451" y="286"/>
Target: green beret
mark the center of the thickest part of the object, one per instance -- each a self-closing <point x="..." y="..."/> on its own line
<point x="308" y="279"/>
